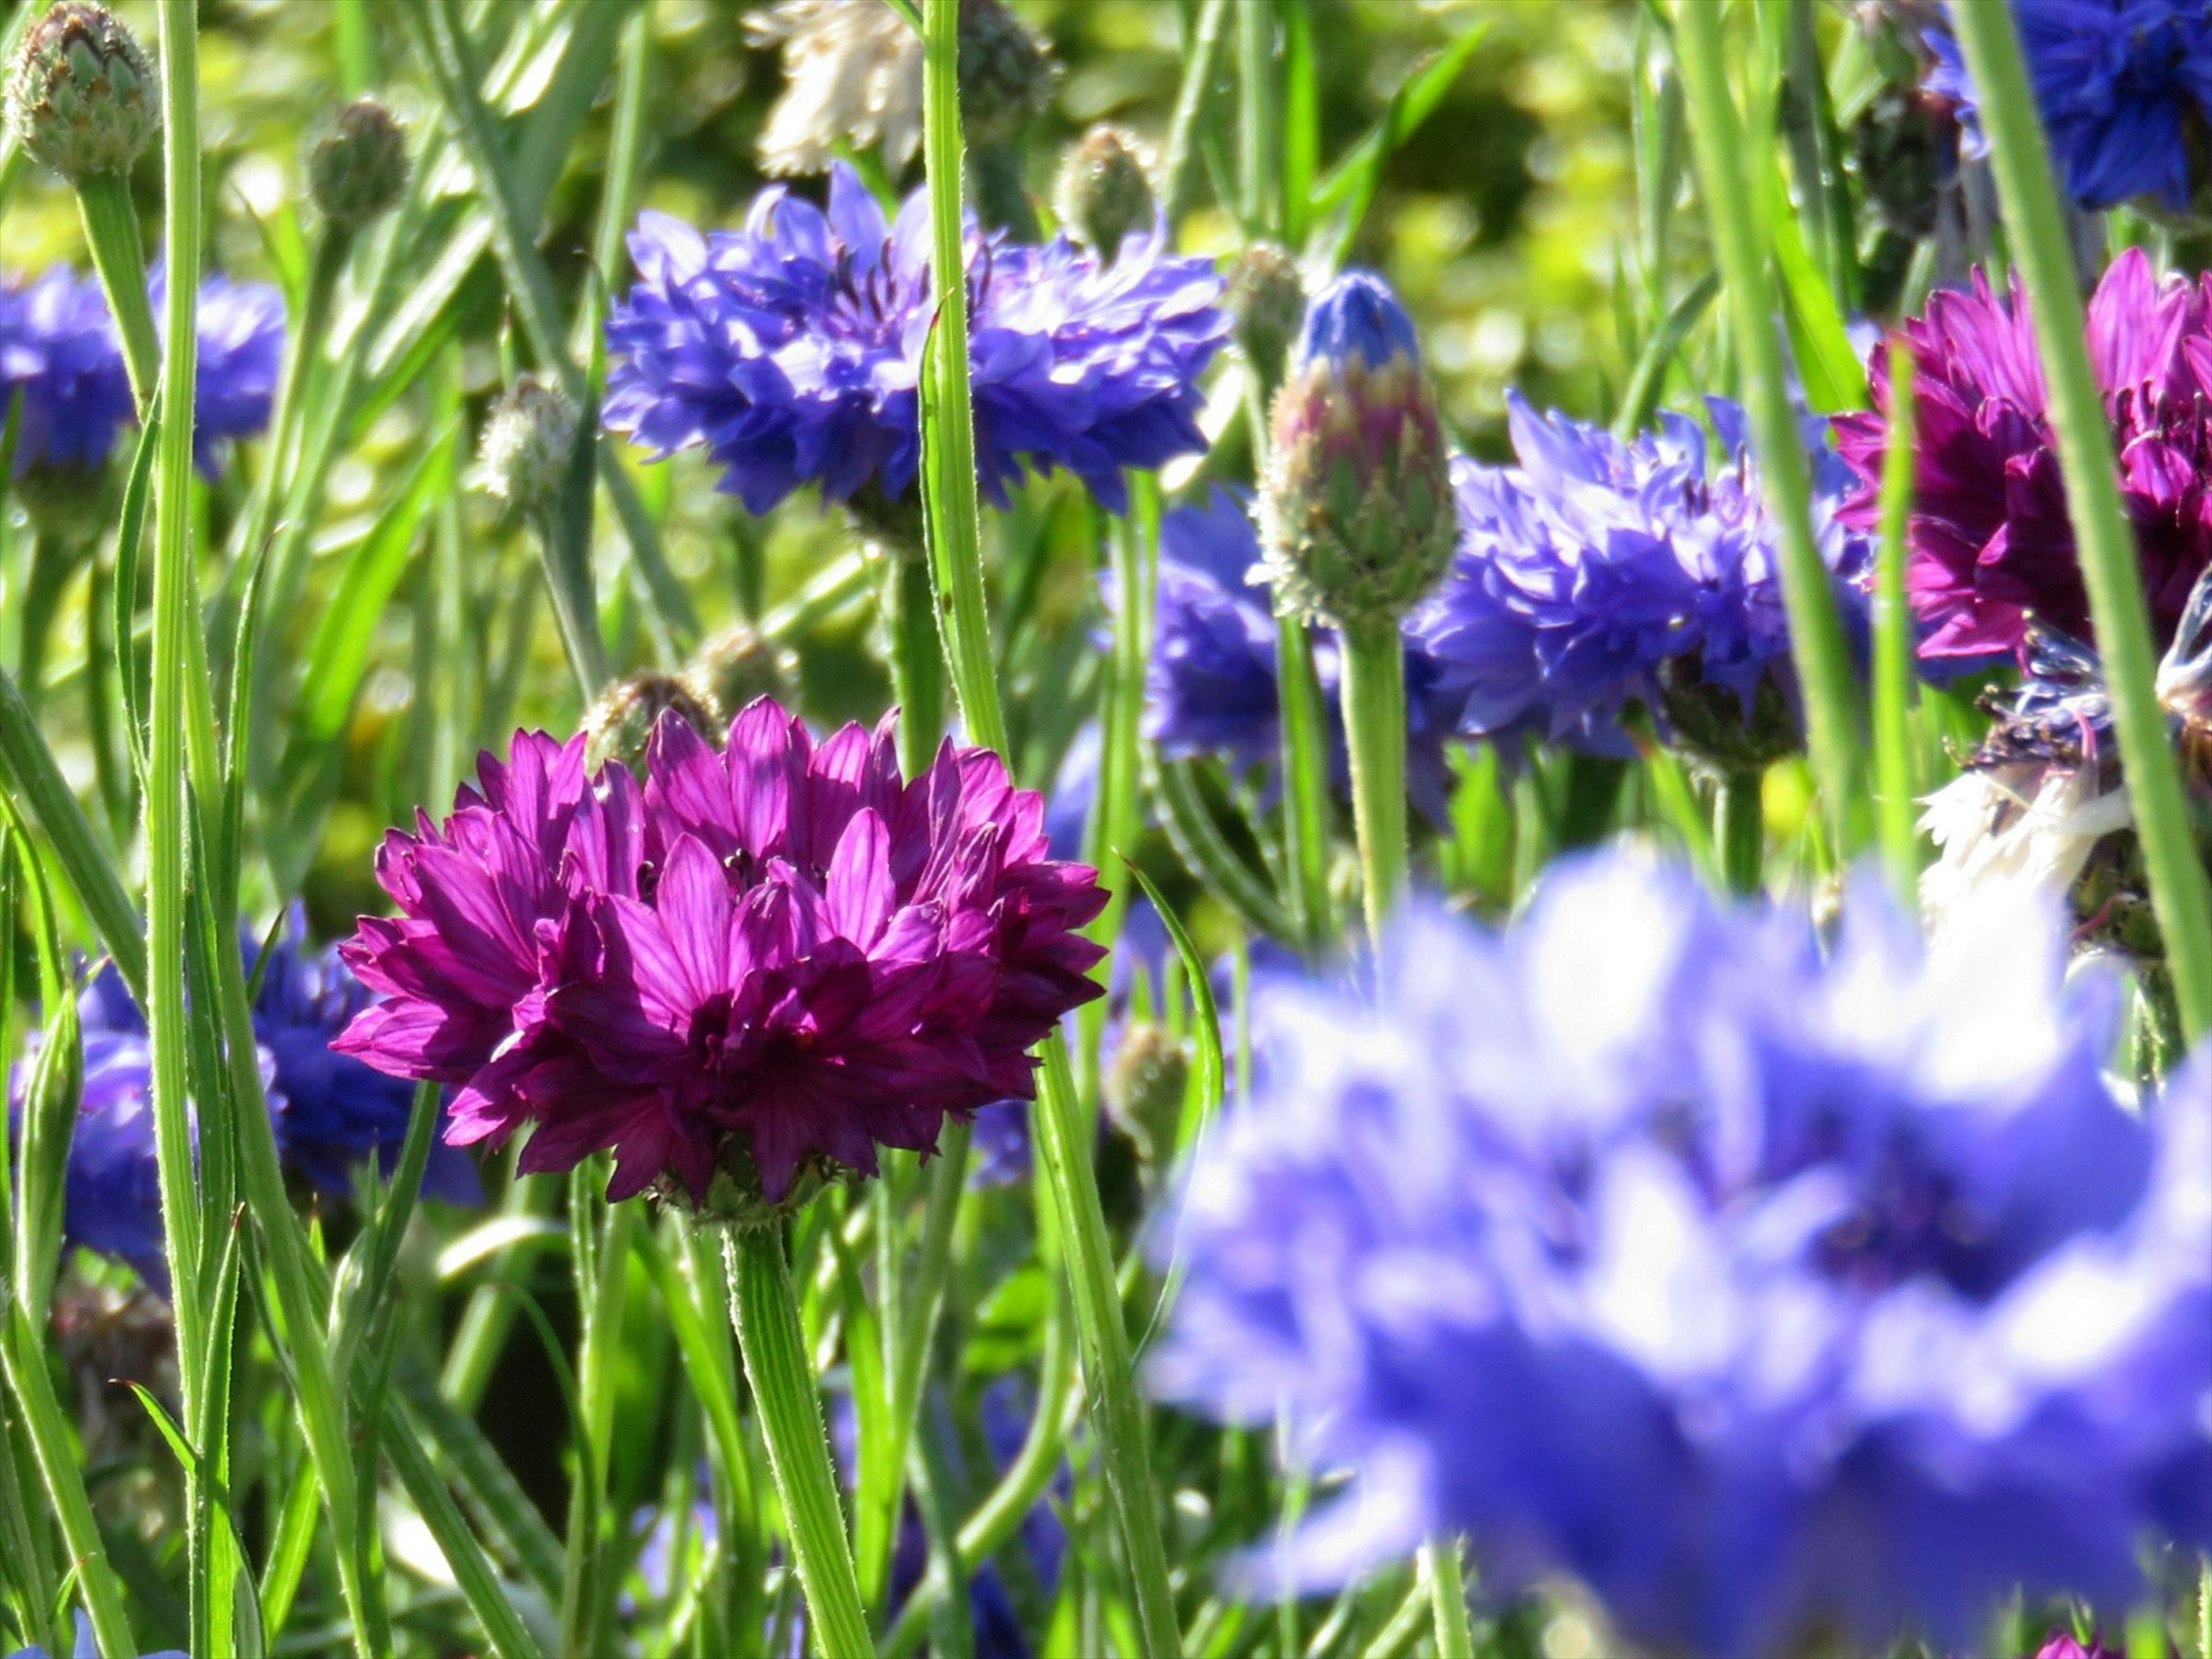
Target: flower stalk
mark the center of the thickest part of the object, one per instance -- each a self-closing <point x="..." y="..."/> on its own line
<point x="1375" y="734"/>
<point x="2020" y="157"/>
<point x="1893" y="649"/>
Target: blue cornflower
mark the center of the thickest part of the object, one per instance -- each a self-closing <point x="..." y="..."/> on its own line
<point x="1210" y="687"/>
<point x="1765" y="1289"/>
<point x="791" y="350"/>
<point x="59" y="348"/>
<point x="87" y="1647"/>
<point x="2120" y="83"/>
<point x="111" y="1190"/>
<point x="1595" y="574"/>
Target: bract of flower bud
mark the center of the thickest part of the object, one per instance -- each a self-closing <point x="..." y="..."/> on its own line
<point x="619" y="726"/>
<point x="527" y="438"/>
<point x="357" y="168"/>
<point x="1356" y="515"/>
<point x="1105" y="189"/>
<point x="82" y="96"/>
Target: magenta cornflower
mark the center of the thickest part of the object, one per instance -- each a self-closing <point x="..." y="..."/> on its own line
<point x="1990" y="546"/>
<point x="771" y="959"/>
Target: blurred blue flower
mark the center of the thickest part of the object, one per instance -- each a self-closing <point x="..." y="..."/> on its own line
<point x="792" y="349"/>
<point x="1592" y="565"/>
<point x="1210" y="687"/>
<point x="87" y="1647"/>
<point x="1762" y="1289"/>
<point x="111" y="1191"/>
<point x="2119" y="82"/>
<point x="59" y="348"/>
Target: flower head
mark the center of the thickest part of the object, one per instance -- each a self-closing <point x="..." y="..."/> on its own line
<point x="82" y="96"/>
<point x="1765" y="1290"/>
<point x="58" y="349"/>
<point x="1597" y="573"/>
<point x="528" y="444"/>
<point x="1356" y="515"/>
<point x="758" y="962"/>
<point x="851" y="72"/>
<point x="112" y="1192"/>
<point x="1991" y="545"/>
<point x="791" y="350"/>
<point x="2120" y="85"/>
<point x="1104" y="191"/>
<point x="357" y="169"/>
<point x="1210" y="687"/>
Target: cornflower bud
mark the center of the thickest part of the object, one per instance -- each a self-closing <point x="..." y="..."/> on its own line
<point x="1006" y="74"/>
<point x="1146" y="1086"/>
<point x="1105" y="189"/>
<point x="81" y="97"/>
<point x="1267" y="298"/>
<point x="620" y="724"/>
<point x="1356" y="515"/>
<point x="739" y="664"/>
<point x="357" y="169"/>
<point x="527" y="438"/>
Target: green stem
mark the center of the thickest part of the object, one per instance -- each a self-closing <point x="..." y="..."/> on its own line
<point x="110" y="231"/>
<point x="301" y="349"/>
<point x="917" y="659"/>
<point x="53" y="562"/>
<point x="955" y="533"/>
<point x="2020" y="159"/>
<point x="1259" y="158"/>
<point x="1893" y="644"/>
<point x="1375" y="734"/>
<point x="1740" y="831"/>
<point x="1190" y="98"/>
<point x="1448" y="1600"/>
<point x="784" y="1392"/>
<point x="1816" y="628"/>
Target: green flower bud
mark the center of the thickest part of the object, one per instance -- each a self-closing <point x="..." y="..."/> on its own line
<point x="1267" y="298"/>
<point x="1105" y="189"/>
<point x="81" y="97"/>
<point x="1006" y="74"/>
<point x="738" y="665"/>
<point x="1144" y="1089"/>
<point x="357" y="169"/>
<point x="527" y="443"/>
<point x="619" y="726"/>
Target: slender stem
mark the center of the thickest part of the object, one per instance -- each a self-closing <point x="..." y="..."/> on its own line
<point x="956" y="563"/>
<point x="1259" y="157"/>
<point x="1448" y="1600"/>
<point x="301" y="350"/>
<point x="1375" y="734"/>
<point x="110" y="231"/>
<point x="1190" y="98"/>
<point x="2021" y="160"/>
<point x="917" y="659"/>
<point x="782" y="1381"/>
<point x="1117" y="808"/>
<point x="1740" y="831"/>
<point x="1816" y="628"/>
<point x="1893" y="646"/>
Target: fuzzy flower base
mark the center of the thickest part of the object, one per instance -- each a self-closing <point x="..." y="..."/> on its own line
<point x="754" y="960"/>
<point x="1769" y="1292"/>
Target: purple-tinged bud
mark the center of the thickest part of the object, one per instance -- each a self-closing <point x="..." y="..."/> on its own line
<point x="1358" y="517"/>
<point x="619" y="726"/>
<point x="82" y="96"/>
<point x="527" y="441"/>
<point x="1105" y="189"/>
<point x="357" y="169"/>
<point x="1267" y="300"/>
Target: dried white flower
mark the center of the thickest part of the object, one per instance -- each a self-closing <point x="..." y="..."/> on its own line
<point x="852" y="70"/>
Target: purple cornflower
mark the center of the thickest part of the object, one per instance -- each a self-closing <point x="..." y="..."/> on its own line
<point x="59" y="348"/>
<point x="1210" y="687"/>
<point x="2122" y="85"/>
<point x="1991" y="545"/>
<point x="1596" y="572"/>
<point x="1766" y="1291"/>
<point x="791" y="350"/>
<point x="756" y="960"/>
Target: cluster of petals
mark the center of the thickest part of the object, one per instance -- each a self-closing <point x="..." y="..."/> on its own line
<point x="792" y="351"/>
<point x="1592" y="563"/>
<point x="1766" y="1290"/>
<point x="754" y="959"/>
<point x="60" y="352"/>
<point x="1990" y="546"/>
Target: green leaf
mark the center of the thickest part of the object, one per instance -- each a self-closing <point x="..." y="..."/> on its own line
<point x="1205" y="1099"/>
<point x="1834" y="380"/>
<point x="1349" y="190"/>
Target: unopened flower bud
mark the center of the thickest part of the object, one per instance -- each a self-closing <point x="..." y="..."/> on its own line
<point x="1144" y="1089"/>
<point x="1006" y="74"/>
<point x="738" y="665"/>
<point x="82" y="96"/>
<point x="1267" y="298"/>
<point x="619" y="726"/>
<point x="357" y="169"/>
<point x="1105" y="189"/>
<point x="526" y="444"/>
<point x="1357" y="518"/>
